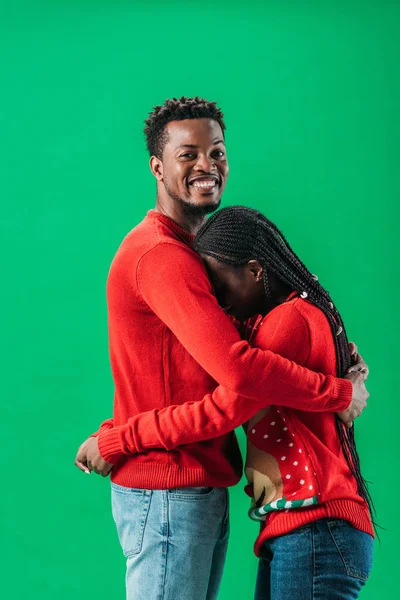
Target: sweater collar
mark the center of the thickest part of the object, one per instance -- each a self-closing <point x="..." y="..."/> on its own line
<point x="177" y="229"/>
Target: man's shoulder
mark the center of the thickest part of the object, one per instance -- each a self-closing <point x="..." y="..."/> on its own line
<point x="150" y="240"/>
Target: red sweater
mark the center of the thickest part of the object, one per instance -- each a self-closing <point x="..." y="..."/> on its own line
<point x="295" y="456"/>
<point x="170" y="343"/>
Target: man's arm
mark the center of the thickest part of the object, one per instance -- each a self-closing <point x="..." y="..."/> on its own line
<point x="174" y="284"/>
<point x="191" y="311"/>
<point x="217" y="413"/>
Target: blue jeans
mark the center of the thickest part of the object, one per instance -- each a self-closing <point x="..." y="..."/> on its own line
<point x="175" y="541"/>
<point x="325" y="560"/>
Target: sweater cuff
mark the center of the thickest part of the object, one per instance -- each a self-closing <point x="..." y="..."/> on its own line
<point x="110" y="445"/>
<point x="342" y="394"/>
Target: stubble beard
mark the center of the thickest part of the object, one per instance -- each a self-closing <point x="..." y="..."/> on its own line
<point x="192" y="211"/>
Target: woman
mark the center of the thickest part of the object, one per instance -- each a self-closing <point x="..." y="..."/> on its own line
<point x="316" y="538"/>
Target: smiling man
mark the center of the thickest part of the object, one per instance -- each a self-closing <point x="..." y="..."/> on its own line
<point x="170" y="346"/>
<point x="191" y="171"/>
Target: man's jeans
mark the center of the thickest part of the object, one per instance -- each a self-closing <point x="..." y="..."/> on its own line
<point x="325" y="560"/>
<point x="175" y="541"/>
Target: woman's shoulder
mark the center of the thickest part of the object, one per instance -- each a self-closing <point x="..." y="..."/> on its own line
<point x="295" y="310"/>
<point x="292" y="314"/>
<point x="284" y="330"/>
<point x="312" y="314"/>
<point x="297" y="313"/>
<point x="296" y="329"/>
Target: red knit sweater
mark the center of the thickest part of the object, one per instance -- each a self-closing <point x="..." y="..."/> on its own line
<point x="295" y="455"/>
<point x="170" y="343"/>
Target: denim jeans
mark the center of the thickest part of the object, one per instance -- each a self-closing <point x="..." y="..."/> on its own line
<point x="324" y="560"/>
<point x="174" y="541"/>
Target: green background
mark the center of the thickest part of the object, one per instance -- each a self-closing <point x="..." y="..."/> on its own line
<point x="310" y="93"/>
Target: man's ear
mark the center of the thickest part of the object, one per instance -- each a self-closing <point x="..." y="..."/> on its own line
<point x="156" y="167"/>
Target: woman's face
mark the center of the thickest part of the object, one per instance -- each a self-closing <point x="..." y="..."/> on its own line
<point x="239" y="290"/>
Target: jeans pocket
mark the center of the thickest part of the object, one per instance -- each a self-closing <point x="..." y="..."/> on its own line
<point x="355" y="548"/>
<point x="130" y="508"/>
<point x="190" y="493"/>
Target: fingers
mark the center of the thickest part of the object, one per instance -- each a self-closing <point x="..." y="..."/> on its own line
<point x="359" y="369"/>
<point x="93" y="468"/>
<point x="360" y="365"/>
<point x="80" y="459"/>
<point x="346" y="418"/>
<point x="88" y="459"/>
<point x="353" y="349"/>
<point x="99" y="466"/>
<point x="106" y="471"/>
<point x="89" y="467"/>
<point x="81" y="466"/>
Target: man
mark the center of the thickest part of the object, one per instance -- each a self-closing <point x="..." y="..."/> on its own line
<point x="170" y="343"/>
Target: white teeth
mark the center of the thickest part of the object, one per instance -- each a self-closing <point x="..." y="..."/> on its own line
<point x="204" y="184"/>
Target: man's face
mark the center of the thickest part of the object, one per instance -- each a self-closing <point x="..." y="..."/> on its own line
<point x="194" y="166"/>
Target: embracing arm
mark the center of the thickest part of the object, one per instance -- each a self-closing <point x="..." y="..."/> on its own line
<point x="180" y="294"/>
<point x="251" y="378"/>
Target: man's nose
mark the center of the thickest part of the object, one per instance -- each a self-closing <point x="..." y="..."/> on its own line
<point x="205" y="163"/>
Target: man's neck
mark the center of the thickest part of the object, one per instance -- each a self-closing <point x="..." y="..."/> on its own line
<point x="178" y="214"/>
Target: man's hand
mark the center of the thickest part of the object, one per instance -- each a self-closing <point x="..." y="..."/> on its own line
<point x="358" y="363"/>
<point x="359" y="399"/>
<point x="80" y="459"/>
<point x="357" y="374"/>
<point x="89" y="458"/>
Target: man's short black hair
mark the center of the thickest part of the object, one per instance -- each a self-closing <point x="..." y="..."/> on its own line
<point x="177" y="109"/>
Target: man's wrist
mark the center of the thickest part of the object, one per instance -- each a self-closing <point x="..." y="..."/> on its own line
<point x="110" y="445"/>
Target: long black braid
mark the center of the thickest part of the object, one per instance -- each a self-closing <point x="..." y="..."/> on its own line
<point x="237" y="234"/>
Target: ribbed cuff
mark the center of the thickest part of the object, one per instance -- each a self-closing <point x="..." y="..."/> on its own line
<point x="342" y="392"/>
<point x="110" y="445"/>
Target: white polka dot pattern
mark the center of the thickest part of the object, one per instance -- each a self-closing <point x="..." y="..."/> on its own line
<point x="291" y="462"/>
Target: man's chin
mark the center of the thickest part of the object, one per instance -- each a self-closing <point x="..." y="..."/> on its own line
<point x="200" y="208"/>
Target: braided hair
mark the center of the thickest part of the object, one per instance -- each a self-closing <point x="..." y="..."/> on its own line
<point x="177" y="109"/>
<point x="236" y="235"/>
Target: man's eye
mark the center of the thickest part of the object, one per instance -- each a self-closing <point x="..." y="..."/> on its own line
<point x="188" y="155"/>
<point x="219" y="154"/>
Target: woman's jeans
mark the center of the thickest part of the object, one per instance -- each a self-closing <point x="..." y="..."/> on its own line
<point x="325" y="560"/>
<point x="175" y="541"/>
